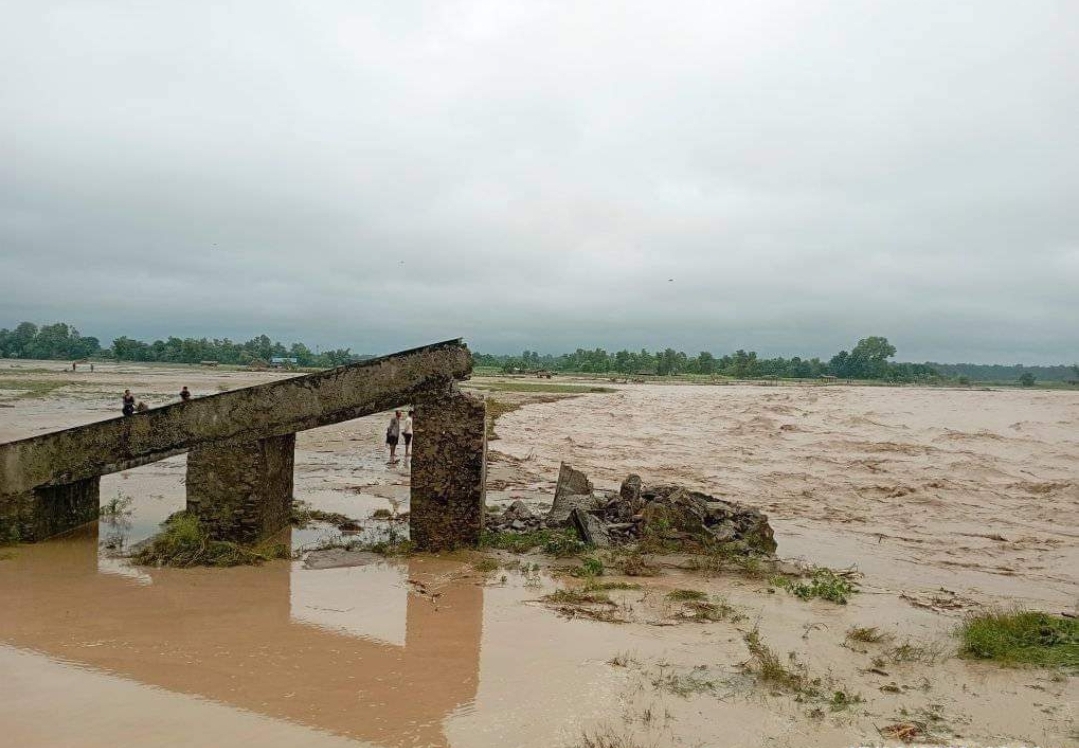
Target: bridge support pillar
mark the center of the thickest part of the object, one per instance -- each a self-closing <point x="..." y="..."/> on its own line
<point x="49" y="510"/>
<point x="449" y="458"/>
<point x="242" y="491"/>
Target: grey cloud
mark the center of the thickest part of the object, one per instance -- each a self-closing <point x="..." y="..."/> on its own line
<point x="532" y="174"/>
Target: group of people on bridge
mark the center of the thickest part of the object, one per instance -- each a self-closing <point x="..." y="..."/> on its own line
<point x="130" y="408"/>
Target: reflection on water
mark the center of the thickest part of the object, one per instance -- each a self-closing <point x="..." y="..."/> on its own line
<point x="351" y="650"/>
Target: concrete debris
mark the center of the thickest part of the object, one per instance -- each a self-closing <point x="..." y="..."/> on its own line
<point x="673" y="517"/>
<point x="590" y="529"/>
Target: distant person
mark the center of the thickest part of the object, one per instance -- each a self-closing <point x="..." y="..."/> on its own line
<point x="393" y="433"/>
<point x="91" y="368"/>
<point x="406" y="431"/>
<point x="129" y="403"/>
<point x="185" y="394"/>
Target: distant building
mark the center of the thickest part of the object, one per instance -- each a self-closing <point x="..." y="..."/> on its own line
<point x="282" y="362"/>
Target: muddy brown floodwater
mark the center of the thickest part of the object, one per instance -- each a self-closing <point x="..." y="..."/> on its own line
<point x="972" y="492"/>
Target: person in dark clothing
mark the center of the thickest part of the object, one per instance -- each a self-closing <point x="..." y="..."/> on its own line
<point x="393" y="433"/>
<point x="129" y="403"/>
<point x="185" y="394"/>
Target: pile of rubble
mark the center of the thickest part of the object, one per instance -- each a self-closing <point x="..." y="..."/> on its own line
<point x="673" y="515"/>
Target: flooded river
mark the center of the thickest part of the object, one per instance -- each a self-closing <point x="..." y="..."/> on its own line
<point x="913" y="486"/>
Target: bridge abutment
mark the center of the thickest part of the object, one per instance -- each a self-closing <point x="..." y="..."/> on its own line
<point x="242" y="491"/>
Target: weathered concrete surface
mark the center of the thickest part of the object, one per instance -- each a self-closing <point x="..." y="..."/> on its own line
<point x="243" y="491"/>
<point x="50" y="510"/>
<point x="449" y="459"/>
<point x="248" y="415"/>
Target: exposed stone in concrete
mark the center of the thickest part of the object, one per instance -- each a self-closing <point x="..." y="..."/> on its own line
<point x="50" y="510"/>
<point x="242" y="491"/>
<point x="449" y="457"/>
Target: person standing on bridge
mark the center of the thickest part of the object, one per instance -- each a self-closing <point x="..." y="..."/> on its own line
<point x="129" y="403"/>
<point x="406" y="431"/>
<point x="393" y="433"/>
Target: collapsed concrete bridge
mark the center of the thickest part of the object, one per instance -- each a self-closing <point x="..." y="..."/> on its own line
<point x="240" y="447"/>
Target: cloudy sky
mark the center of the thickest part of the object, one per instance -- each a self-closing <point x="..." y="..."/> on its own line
<point x="781" y="176"/>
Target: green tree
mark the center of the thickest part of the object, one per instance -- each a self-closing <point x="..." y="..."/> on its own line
<point x="1026" y="379"/>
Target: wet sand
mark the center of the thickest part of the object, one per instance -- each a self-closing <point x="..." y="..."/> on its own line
<point x="915" y="487"/>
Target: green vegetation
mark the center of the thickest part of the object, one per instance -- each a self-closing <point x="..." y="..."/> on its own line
<point x="1021" y="637"/>
<point x="823" y="583"/>
<point x="908" y="651"/>
<point x="769" y="668"/>
<point x="686" y="595"/>
<point x="840" y="700"/>
<point x="32" y="388"/>
<point x="183" y="543"/>
<point x="116" y="507"/>
<point x="704" y="611"/>
<point x="485" y="565"/>
<point x="558" y="389"/>
<point x="685" y="684"/>
<point x="867" y="360"/>
<point x="866" y="635"/>
<point x="590" y="567"/>
<point x="560" y="543"/>
<point x="63" y="341"/>
<point x="594" y="586"/>
<point x="303" y="515"/>
<point x="578" y="597"/>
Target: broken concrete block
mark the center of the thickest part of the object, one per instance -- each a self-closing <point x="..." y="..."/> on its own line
<point x="590" y="528"/>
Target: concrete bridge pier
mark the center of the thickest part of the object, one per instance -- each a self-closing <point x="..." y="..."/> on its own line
<point x="449" y="464"/>
<point x="242" y="491"/>
<point x="51" y="510"/>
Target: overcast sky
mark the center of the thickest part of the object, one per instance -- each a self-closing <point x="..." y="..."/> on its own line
<point x="781" y="176"/>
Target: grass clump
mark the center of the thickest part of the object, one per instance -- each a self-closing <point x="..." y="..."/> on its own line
<point x="598" y="586"/>
<point x="33" y="388"/>
<point x="769" y="668"/>
<point x="303" y="514"/>
<point x="1021" y="637"/>
<point x="680" y="595"/>
<point x="703" y="611"/>
<point x="184" y="543"/>
<point x="866" y="635"/>
<point x="485" y="565"/>
<point x="634" y="564"/>
<point x="685" y="684"/>
<point x="910" y="651"/>
<point x="823" y="583"/>
<point x="578" y="597"/>
<point x="590" y="567"/>
<point x="116" y="507"/>
<point x="558" y="543"/>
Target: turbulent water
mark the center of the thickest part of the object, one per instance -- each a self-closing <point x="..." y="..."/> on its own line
<point x="973" y="492"/>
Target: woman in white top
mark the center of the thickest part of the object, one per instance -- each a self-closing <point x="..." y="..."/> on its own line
<point x="406" y="430"/>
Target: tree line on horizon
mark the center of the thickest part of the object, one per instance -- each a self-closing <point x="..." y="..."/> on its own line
<point x="869" y="359"/>
<point x="63" y="341"/>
